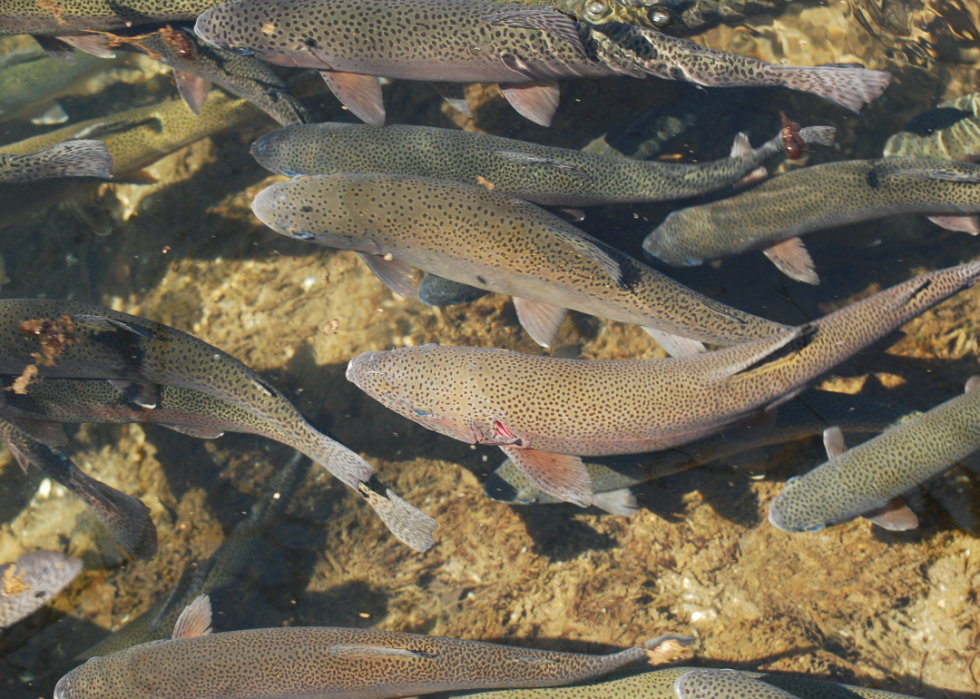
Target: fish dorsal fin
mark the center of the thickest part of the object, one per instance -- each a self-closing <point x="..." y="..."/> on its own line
<point x="895" y="516"/>
<point x="741" y="146"/>
<point x="675" y="345"/>
<point x="143" y="394"/>
<point x="395" y="274"/>
<point x="195" y="620"/>
<point x="193" y="90"/>
<point x="541" y="320"/>
<point x="575" y="242"/>
<point x="793" y="260"/>
<point x="563" y="476"/>
<point x="531" y="159"/>
<point x="620" y="502"/>
<point x="49" y="433"/>
<point x="355" y="653"/>
<point x="454" y="95"/>
<point x="535" y="101"/>
<point x="760" y="349"/>
<point x="544" y="19"/>
<point x="972" y="384"/>
<point x="833" y="442"/>
<point x="195" y="431"/>
<point x="958" y="224"/>
<point x="361" y="94"/>
<point x="110" y="324"/>
<point x="93" y="44"/>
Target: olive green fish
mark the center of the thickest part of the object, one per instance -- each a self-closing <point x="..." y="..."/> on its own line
<point x="470" y="235"/>
<point x="66" y="17"/>
<point x="126" y="517"/>
<point x="542" y="174"/>
<point x="523" y="49"/>
<point x="773" y="215"/>
<point x="543" y="411"/>
<point x="65" y="160"/>
<point x="325" y="662"/>
<point x="870" y="479"/>
<point x="612" y="476"/>
<point x="32" y="80"/>
<point x="32" y="581"/>
<point x="72" y="340"/>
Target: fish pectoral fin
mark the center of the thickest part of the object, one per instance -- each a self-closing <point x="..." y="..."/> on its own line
<point x="972" y="384"/>
<point x="195" y="431"/>
<point x="792" y="259"/>
<point x="93" y="44"/>
<point x="144" y="395"/>
<point x="531" y="159"/>
<point x="193" y="90"/>
<point x="394" y="274"/>
<point x="56" y="48"/>
<point x="454" y="95"/>
<point x="620" y="502"/>
<point x="561" y="475"/>
<point x="545" y="19"/>
<point x="361" y="94"/>
<point x="741" y="147"/>
<point x="675" y="345"/>
<point x="833" y="442"/>
<point x="958" y="224"/>
<point x="110" y="324"/>
<point x="355" y="652"/>
<point x="195" y="620"/>
<point x="541" y="320"/>
<point x="895" y="516"/>
<point x="535" y="101"/>
<point x="46" y="432"/>
<point x="585" y="247"/>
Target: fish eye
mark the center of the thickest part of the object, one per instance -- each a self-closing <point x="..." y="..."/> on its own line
<point x="597" y="9"/>
<point x="660" y="18"/>
<point x="242" y="51"/>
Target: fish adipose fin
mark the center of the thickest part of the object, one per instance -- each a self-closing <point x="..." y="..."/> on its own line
<point x="675" y="345"/>
<point x="541" y="320"/>
<point x="544" y="19"/>
<point x="833" y="442"/>
<point x="560" y="475"/>
<point x="895" y="517"/>
<point x="620" y="502"/>
<point x="195" y="620"/>
<point x="582" y="246"/>
<point x="145" y="395"/>
<point x="193" y="90"/>
<point x="530" y="159"/>
<point x="535" y="101"/>
<point x="409" y="525"/>
<point x="361" y="94"/>
<point x="394" y="274"/>
<point x="358" y="653"/>
<point x="958" y="224"/>
<point x="195" y="431"/>
<point x="454" y="95"/>
<point x="793" y="259"/>
<point x="51" y="434"/>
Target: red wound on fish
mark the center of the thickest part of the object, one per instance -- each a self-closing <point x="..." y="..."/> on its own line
<point x="793" y="144"/>
<point x="502" y="434"/>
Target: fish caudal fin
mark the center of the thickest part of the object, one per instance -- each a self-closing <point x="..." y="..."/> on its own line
<point x="620" y="502"/>
<point x="851" y="88"/>
<point x="793" y="259"/>
<point x="561" y="475"/>
<point x="409" y="525"/>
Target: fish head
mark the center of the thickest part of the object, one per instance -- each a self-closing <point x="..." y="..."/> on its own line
<point x="674" y="242"/>
<point x="438" y="387"/>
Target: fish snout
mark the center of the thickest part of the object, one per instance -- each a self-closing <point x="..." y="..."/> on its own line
<point x="62" y="690"/>
<point x="358" y="367"/>
<point x="203" y="28"/>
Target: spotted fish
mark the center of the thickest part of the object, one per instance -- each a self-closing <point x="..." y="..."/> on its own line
<point x="63" y="339"/>
<point x="296" y="662"/>
<point x="68" y="17"/>
<point x="545" y="412"/>
<point x="32" y="582"/>
<point x="71" y="159"/>
<point x="523" y="49"/>
<point x="870" y="479"/>
<point x="501" y="244"/>
<point x="773" y="215"/>
<point x="126" y="517"/>
<point x="542" y="174"/>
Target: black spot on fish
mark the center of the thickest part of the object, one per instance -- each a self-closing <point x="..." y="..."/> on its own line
<point x="481" y="279"/>
<point x="306" y="209"/>
<point x="935" y="120"/>
<point x="311" y="43"/>
<point x="874" y="181"/>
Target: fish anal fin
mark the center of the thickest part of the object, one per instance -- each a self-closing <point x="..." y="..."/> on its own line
<point x="195" y="620"/>
<point x="544" y="19"/>
<point x="620" y="502"/>
<point x="541" y="320"/>
<point x="561" y="475"/>
<point x="394" y="274"/>
<point x="143" y="394"/>
<point x="571" y="239"/>
<point x="94" y="44"/>
<point x="46" y="432"/>
<point x="833" y="442"/>
<point x="741" y="146"/>
<point x="675" y="345"/>
<point x="895" y="517"/>
<point x="535" y="101"/>
<point x="792" y="259"/>
<point x="359" y="653"/>
<point x="195" y="431"/>
<point x="193" y="90"/>
<point x="972" y="384"/>
<point x="361" y="94"/>
<point x="958" y="224"/>
<point x="454" y="95"/>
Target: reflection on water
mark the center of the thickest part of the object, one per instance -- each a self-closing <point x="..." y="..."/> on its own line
<point x="174" y="240"/>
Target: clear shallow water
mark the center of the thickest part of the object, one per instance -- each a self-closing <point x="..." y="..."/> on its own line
<point x="851" y="603"/>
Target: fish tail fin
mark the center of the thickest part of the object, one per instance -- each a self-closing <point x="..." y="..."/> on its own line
<point x="666" y="648"/>
<point x="851" y="88"/>
<point x="821" y="135"/>
<point x="125" y="516"/>
<point x="410" y="525"/>
<point x="85" y="158"/>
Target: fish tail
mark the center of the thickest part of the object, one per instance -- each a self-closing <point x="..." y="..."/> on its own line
<point x="85" y="158"/>
<point x="410" y="525"/>
<point x="851" y="88"/>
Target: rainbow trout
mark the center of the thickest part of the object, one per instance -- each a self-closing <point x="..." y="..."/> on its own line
<point x="34" y="79"/>
<point x="33" y="581"/>
<point x="522" y="48"/>
<point x="70" y="159"/>
<point x="870" y="479"/>
<point x="470" y="235"/>
<point x="137" y="356"/>
<point x="612" y="476"/>
<point x="66" y="17"/>
<point x="126" y="517"/>
<point x="773" y="215"/>
<point x="296" y="662"/>
<point x="542" y="174"/>
<point x="545" y="412"/>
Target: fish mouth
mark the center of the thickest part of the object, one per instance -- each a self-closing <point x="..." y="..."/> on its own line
<point x="202" y="29"/>
<point x="359" y="367"/>
<point x="62" y="690"/>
